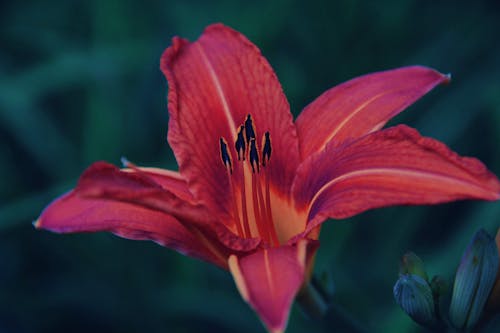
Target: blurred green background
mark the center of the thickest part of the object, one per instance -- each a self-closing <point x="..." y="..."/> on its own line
<point x="79" y="82"/>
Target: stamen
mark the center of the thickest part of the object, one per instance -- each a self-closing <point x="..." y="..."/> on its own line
<point x="259" y="217"/>
<point x="225" y="156"/>
<point x="259" y="222"/>
<point x="272" y="230"/>
<point x="266" y="157"/>
<point x="246" y="224"/>
<point x="226" y="160"/>
<point x="249" y="129"/>
<point x="235" y="206"/>
<point x="240" y="144"/>
<point x="254" y="156"/>
<point x="266" y="149"/>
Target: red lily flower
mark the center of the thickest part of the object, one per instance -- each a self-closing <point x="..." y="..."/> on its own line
<point x="253" y="187"/>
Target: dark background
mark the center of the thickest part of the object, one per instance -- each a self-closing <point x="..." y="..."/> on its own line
<point x="79" y="82"/>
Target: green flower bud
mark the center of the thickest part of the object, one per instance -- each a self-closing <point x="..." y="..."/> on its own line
<point x="493" y="304"/>
<point x="474" y="280"/>
<point x="414" y="296"/>
<point x="439" y="286"/>
<point x="412" y="264"/>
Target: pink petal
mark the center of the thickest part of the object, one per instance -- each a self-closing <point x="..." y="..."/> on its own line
<point x="214" y="83"/>
<point x="362" y="105"/>
<point x="390" y="167"/>
<point x="169" y="180"/>
<point x="105" y="181"/>
<point x="71" y="213"/>
<point x="270" y="278"/>
<point x="140" y="187"/>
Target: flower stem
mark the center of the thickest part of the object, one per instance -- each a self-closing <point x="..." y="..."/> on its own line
<point x="345" y="321"/>
<point x="312" y="302"/>
<point x="316" y="304"/>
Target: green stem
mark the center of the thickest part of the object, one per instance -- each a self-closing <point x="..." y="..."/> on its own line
<point x="316" y="305"/>
<point x="345" y="321"/>
<point x="312" y="302"/>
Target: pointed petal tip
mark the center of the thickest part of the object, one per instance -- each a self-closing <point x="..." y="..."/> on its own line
<point x="447" y="78"/>
<point x="125" y="162"/>
<point x="37" y="223"/>
<point x="422" y="68"/>
<point x="239" y="280"/>
<point x="269" y="280"/>
<point x="444" y="78"/>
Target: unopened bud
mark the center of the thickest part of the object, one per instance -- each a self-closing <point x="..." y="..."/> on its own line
<point x="474" y="280"/>
<point x="412" y="264"/>
<point x="414" y="295"/>
<point x="493" y="305"/>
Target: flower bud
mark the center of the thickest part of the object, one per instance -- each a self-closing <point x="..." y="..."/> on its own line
<point x="474" y="280"/>
<point x="493" y="304"/>
<point x="412" y="264"/>
<point x="439" y="286"/>
<point x="414" y="296"/>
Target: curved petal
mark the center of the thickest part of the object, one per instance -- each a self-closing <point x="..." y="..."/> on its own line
<point x="270" y="278"/>
<point x="105" y="181"/>
<point x="390" y="167"/>
<point x="214" y="83"/>
<point x="167" y="179"/>
<point x="71" y="213"/>
<point x="362" y="105"/>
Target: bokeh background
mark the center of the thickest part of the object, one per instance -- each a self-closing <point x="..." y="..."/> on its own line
<point x="80" y="82"/>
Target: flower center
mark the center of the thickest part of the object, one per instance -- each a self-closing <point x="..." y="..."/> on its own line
<point x="252" y="211"/>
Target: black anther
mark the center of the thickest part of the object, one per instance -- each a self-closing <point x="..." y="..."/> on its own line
<point x="224" y="154"/>
<point x="254" y="156"/>
<point x="266" y="150"/>
<point x="249" y="131"/>
<point x="240" y="144"/>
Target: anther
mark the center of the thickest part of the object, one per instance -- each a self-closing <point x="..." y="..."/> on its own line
<point x="266" y="149"/>
<point x="224" y="154"/>
<point x="240" y="144"/>
<point x="254" y="156"/>
<point x="249" y="130"/>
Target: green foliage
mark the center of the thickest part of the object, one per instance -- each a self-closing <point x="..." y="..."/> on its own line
<point x="80" y="82"/>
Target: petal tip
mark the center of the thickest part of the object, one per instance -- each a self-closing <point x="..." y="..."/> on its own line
<point x="125" y="162"/>
<point x="239" y="280"/>
<point x="216" y="26"/>
<point x="170" y="53"/>
<point x="37" y="223"/>
<point x="441" y="77"/>
<point x="447" y="78"/>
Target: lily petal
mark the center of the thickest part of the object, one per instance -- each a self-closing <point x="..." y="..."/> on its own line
<point x="214" y="83"/>
<point x="105" y="181"/>
<point x="270" y="278"/>
<point x="70" y="214"/>
<point x="169" y="180"/>
<point x="390" y="167"/>
<point x="362" y="105"/>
